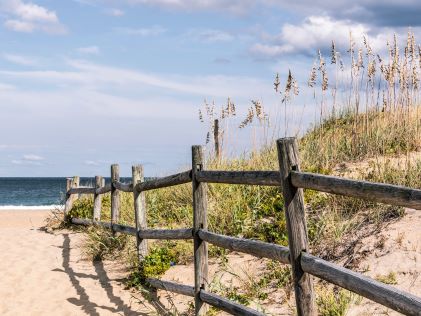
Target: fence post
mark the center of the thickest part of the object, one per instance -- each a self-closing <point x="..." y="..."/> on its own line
<point x="296" y="224"/>
<point x="216" y="138"/>
<point x="115" y="194"/>
<point x="199" y="222"/>
<point x="70" y="198"/>
<point x="140" y="211"/>
<point x="97" y="199"/>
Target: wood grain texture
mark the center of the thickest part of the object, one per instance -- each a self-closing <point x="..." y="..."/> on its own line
<point x="123" y="229"/>
<point x="140" y="212"/>
<point x="104" y="189"/>
<point x="125" y="187"/>
<point x="115" y="194"/>
<point x="384" y="294"/>
<point x="70" y="196"/>
<point x="268" y="178"/>
<point x="216" y="138"/>
<point x="175" y="179"/>
<point x="82" y="190"/>
<point x="128" y="230"/>
<point x="90" y="222"/>
<point x="166" y="234"/>
<point x="199" y="222"/>
<point x="252" y="247"/>
<point x="227" y="305"/>
<point x="171" y="287"/>
<point x="82" y="221"/>
<point x="296" y="226"/>
<point x="67" y="205"/>
<point x="378" y="192"/>
<point x="97" y="199"/>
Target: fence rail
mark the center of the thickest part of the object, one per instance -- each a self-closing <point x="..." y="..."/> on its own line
<point x="291" y="181"/>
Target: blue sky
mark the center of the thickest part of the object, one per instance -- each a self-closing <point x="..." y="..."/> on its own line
<point x="87" y="83"/>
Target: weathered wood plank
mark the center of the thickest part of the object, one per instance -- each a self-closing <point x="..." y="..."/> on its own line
<point x="90" y="222"/>
<point x="176" y="234"/>
<point x="115" y="194"/>
<point x="296" y="226"/>
<point x="252" y="247"/>
<point x="123" y="229"/>
<point x="166" y="234"/>
<point x="67" y="202"/>
<point x="384" y="294"/>
<point x="378" y="192"/>
<point x="125" y="187"/>
<point x="104" y="189"/>
<point x="97" y="199"/>
<point x="176" y="179"/>
<point x="71" y="197"/>
<point x="268" y="178"/>
<point x="128" y="230"/>
<point x="171" y="287"/>
<point x="199" y="222"/>
<point x="140" y="212"/>
<point x="82" y="221"/>
<point x="82" y="190"/>
<point x="227" y="305"/>
<point x="216" y="138"/>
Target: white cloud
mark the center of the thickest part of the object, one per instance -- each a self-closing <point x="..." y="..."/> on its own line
<point x="313" y="33"/>
<point x="210" y="35"/>
<point x="146" y="31"/>
<point x="92" y="50"/>
<point x="28" y="17"/>
<point x="33" y="12"/>
<point x="123" y="93"/>
<point x="19" y="26"/>
<point x="114" y="12"/>
<point x="231" y="6"/>
<point x="20" y="60"/>
<point x="29" y="159"/>
<point x="317" y="32"/>
<point x="32" y="157"/>
<point x="91" y="163"/>
<point x="6" y="86"/>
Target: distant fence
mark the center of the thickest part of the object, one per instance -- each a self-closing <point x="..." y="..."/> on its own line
<point x="291" y="180"/>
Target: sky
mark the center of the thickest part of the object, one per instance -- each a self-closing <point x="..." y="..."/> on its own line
<point x="88" y="83"/>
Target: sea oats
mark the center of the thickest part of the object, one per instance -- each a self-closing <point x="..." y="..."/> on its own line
<point x="333" y="59"/>
<point x="313" y="76"/>
<point x="323" y="71"/>
<point x="201" y="116"/>
<point x="288" y="87"/>
<point x="249" y="118"/>
<point x="360" y="61"/>
<point x="276" y="82"/>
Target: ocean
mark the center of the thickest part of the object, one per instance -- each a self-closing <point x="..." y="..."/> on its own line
<point x="36" y="193"/>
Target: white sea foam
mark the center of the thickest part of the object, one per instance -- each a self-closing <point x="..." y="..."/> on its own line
<point x="30" y="207"/>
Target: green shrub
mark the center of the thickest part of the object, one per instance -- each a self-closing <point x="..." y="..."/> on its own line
<point x="332" y="302"/>
<point x="155" y="264"/>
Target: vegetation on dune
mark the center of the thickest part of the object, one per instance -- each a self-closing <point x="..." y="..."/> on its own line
<point x="368" y="111"/>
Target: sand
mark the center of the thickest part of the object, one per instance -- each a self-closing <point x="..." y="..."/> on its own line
<point x="44" y="274"/>
<point x="396" y="249"/>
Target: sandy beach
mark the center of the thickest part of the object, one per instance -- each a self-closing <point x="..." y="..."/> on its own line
<point x="44" y="274"/>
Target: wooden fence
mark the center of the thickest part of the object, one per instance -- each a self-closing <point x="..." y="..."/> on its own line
<point x="291" y="181"/>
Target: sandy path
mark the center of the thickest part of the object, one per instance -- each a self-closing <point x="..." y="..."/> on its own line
<point x="43" y="274"/>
